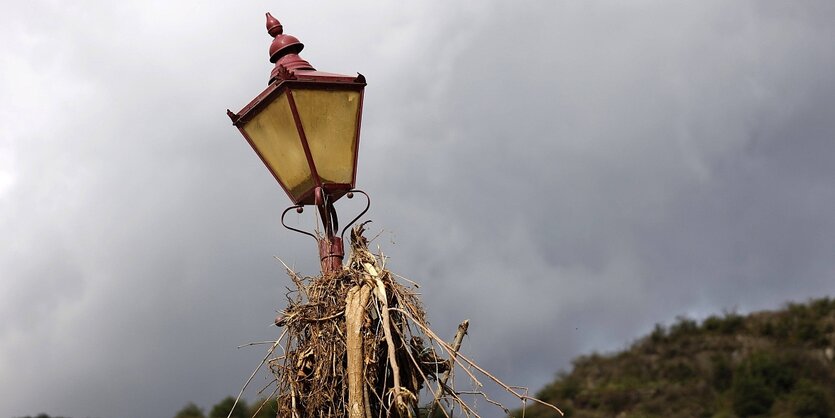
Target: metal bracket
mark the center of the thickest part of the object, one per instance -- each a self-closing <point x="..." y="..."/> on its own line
<point x="328" y="214"/>
<point x="350" y="195"/>
<point x="299" y="209"/>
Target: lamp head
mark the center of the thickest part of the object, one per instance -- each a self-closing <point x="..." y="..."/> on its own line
<point x="305" y="125"/>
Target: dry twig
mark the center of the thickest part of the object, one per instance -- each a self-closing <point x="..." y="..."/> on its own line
<point x="358" y="345"/>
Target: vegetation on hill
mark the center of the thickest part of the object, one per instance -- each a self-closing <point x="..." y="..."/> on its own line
<point x="766" y="364"/>
<point x="260" y="409"/>
<point x="41" y="415"/>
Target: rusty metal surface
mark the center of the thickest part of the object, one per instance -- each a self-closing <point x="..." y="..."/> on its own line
<point x="331" y="253"/>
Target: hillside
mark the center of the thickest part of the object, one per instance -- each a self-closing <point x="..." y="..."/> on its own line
<point x="769" y="364"/>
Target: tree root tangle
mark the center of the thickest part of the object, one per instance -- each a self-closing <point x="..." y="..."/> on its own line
<point x="356" y="344"/>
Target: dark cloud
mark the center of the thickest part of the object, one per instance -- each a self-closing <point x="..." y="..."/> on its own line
<point x="564" y="175"/>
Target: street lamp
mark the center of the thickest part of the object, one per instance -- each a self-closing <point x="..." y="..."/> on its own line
<point x="305" y="128"/>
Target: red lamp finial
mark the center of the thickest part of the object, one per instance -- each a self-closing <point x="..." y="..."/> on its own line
<point x="274" y="27"/>
<point x="284" y="51"/>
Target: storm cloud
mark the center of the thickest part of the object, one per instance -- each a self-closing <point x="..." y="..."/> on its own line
<point x="563" y="174"/>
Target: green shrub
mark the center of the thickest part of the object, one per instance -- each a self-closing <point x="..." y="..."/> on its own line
<point x="190" y="411"/>
<point x="767" y="329"/>
<point x="782" y="328"/>
<point x="268" y="408"/>
<point x="684" y="326"/>
<point x="617" y="399"/>
<point x="712" y="323"/>
<point x="222" y="408"/>
<point x="567" y="409"/>
<point x="822" y="307"/>
<point x="751" y="395"/>
<point x="810" y="401"/>
<point x="810" y="331"/>
<point x="758" y="380"/>
<point x="729" y="324"/>
<point x="776" y="372"/>
<point x="797" y="309"/>
<point x="679" y="371"/>
<point x="659" y="334"/>
<point x="722" y="373"/>
<point x="569" y="388"/>
<point x="565" y="387"/>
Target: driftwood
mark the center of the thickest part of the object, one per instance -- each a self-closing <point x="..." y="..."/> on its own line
<point x="354" y="317"/>
<point x="357" y="344"/>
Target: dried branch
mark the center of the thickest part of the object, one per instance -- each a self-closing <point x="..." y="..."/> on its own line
<point x="456" y="345"/>
<point x="357" y="344"/>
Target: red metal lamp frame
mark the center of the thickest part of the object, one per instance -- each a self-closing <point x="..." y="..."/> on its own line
<point x="292" y="72"/>
<point x="307" y="80"/>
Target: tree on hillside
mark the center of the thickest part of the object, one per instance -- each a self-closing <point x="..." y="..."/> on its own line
<point x="268" y="408"/>
<point x="778" y="363"/>
<point x="190" y="411"/>
<point x="41" y="415"/>
<point x="222" y="408"/>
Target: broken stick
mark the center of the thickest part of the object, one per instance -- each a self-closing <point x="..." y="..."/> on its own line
<point x="456" y="345"/>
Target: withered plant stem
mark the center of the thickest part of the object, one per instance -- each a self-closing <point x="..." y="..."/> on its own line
<point x="456" y="345"/>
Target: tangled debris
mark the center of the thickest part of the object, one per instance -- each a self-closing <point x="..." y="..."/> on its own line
<point x="357" y="344"/>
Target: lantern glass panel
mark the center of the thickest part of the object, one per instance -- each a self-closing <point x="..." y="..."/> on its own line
<point x="275" y="137"/>
<point x="329" y="120"/>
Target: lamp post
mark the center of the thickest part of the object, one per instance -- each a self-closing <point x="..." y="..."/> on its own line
<point x="305" y="128"/>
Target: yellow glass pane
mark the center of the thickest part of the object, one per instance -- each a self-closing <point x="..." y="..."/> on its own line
<point x="273" y="132"/>
<point x="329" y="119"/>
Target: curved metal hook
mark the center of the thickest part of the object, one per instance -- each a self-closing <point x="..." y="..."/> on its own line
<point x="333" y="217"/>
<point x="299" y="209"/>
<point x="367" y="206"/>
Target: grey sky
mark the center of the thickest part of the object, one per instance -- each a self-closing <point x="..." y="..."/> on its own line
<point x="565" y="174"/>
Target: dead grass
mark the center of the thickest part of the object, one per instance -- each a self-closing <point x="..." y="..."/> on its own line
<point x="357" y="344"/>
